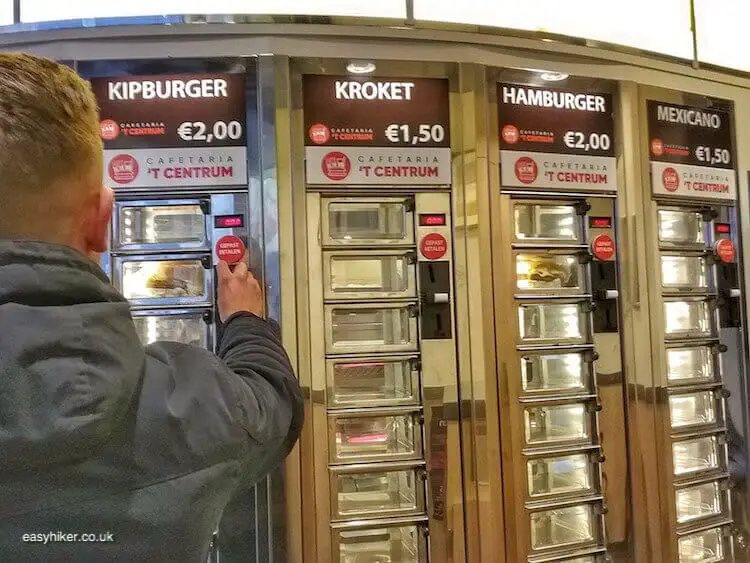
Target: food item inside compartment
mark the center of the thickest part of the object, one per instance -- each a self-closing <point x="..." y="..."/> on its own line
<point x="160" y="279"/>
<point x="552" y="271"/>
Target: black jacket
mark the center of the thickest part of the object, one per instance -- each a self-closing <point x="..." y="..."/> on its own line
<point x="99" y="435"/>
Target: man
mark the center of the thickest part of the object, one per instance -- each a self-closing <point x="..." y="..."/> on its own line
<point x="110" y="451"/>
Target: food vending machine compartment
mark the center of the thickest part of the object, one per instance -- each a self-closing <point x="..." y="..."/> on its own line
<point x="161" y="225"/>
<point x="371" y="328"/>
<point x="681" y="227"/>
<point x="395" y="543"/>
<point x="369" y="435"/>
<point x="699" y="408"/>
<point x="708" y="546"/>
<point x="689" y="365"/>
<point x="377" y="491"/>
<point x="553" y="322"/>
<point x="175" y="279"/>
<point x="540" y="222"/>
<point x="386" y="381"/>
<point x="687" y="319"/>
<point x="697" y="502"/>
<point x="367" y="222"/>
<point x="684" y="273"/>
<point x="697" y="455"/>
<point x="550" y="273"/>
<point x="369" y="275"/>
<point x="557" y="423"/>
<point x="186" y="326"/>
<point x="561" y="475"/>
<point x="555" y="372"/>
<point x="564" y="527"/>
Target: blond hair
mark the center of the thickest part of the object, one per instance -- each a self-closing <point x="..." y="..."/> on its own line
<point x="50" y="145"/>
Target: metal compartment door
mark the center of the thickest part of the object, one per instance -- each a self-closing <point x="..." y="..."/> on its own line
<point x="386" y="221"/>
<point x="388" y="541"/>
<point x="370" y="275"/>
<point x="186" y="326"/>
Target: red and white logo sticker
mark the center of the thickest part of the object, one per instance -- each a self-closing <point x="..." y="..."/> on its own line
<point x="336" y="166"/>
<point x="657" y="147"/>
<point x="671" y="179"/>
<point x="725" y="251"/>
<point x="123" y="169"/>
<point x="511" y="135"/>
<point x="433" y="246"/>
<point x="230" y="248"/>
<point x="319" y="134"/>
<point x="109" y="129"/>
<point x="526" y="170"/>
<point x="603" y="247"/>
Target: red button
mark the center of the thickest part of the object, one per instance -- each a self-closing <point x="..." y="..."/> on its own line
<point x="433" y="246"/>
<point x="230" y="248"/>
<point x="603" y="247"/>
<point x="725" y="250"/>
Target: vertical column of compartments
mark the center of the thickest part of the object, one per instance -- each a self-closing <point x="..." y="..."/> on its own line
<point x="373" y="393"/>
<point x="695" y="391"/>
<point x="558" y="391"/>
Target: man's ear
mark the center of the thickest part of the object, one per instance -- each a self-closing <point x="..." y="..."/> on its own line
<point x="99" y="232"/>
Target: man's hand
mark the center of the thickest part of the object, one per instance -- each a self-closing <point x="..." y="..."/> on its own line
<point x="238" y="291"/>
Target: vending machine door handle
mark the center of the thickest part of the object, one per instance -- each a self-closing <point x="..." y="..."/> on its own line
<point x="205" y="206"/>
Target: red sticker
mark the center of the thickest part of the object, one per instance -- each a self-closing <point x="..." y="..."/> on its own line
<point x="109" y="129"/>
<point x="603" y="247"/>
<point x="433" y="246"/>
<point x="230" y="248"/>
<point x="724" y="249"/>
<point x="336" y="166"/>
<point x="511" y="135"/>
<point x="670" y="179"/>
<point x="123" y="169"/>
<point x="657" y="147"/>
<point x="319" y="134"/>
<point x="526" y="170"/>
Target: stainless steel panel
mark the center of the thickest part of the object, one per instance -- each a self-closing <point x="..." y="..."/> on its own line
<point x="687" y="319"/>
<point x="696" y="455"/>
<point x="164" y="280"/>
<point x="684" y="273"/>
<point x="370" y="328"/>
<point x="365" y="275"/>
<point x="546" y="222"/>
<point x="380" y="382"/>
<point x="370" y="437"/>
<point x="160" y="225"/>
<point x="690" y="365"/>
<point x="377" y="493"/>
<point x="564" y="527"/>
<point x="367" y="222"/>
<point x="550" y="321"/>
<point x="555" y="372"/>
<point x="186" y="327"/>
<point x="681" y="227"/>
<point x="389" y="544"/>
<point x="557" y="423"/>
<point x="699" y="501"/>
<point x="558" y="475"/>
<point x="548" y="272"/>
<point x="693" y="409"/>
<point x="704" y="547"/>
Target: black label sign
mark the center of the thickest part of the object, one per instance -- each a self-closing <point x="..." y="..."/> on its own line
<point x="172" y="111"/>
<point x="689" y="135"/>
<point x="376" y="112"/>
<point x="545" y="120"/>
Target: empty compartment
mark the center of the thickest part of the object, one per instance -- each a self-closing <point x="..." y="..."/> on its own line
<point x="554" y="372"/>
<point x="186" y="327"/>
<point x="563" y="527"/>
<point x="377" y="493"/>
<point x="546" y="222"/>
<point x="162" y="225"/>
<point x="381" y="382"/>
<point x="350" y="275"/>
<point x="684" y="273"/>
<point x="693" y="409"/>
<point x="687" y="319"/>
<point x="164" y="280"/>
<point x="557" y="423"/>
<point x="392" y="544"/>
<point x="560" y="475"/>
<point x="681" y="227"/>
<point x="355" y="221"/>
<point x="548" y="272"/>
<point x="690" y="365"/>
<point x="703" y="547"/>
<point x="371" y="328"/>
<point x="375" y="437"/>
<point x="698" y="501"/>
<point x="551" y="321"/>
